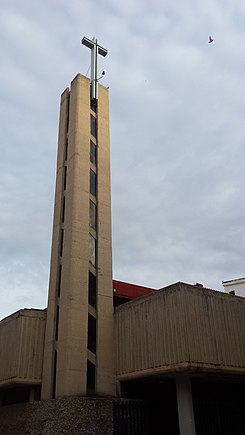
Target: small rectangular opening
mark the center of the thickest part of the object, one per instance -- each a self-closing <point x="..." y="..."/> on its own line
<point x="68" y="113"/>
<point x="93" y="182"/>
<point x="61" y="241"/>
<point x="59" y="279"/>
<point x="92" y="215"/>
<point x="92" y="250"/>
<point x="63" y="209"/>
<point x="93" y="153"/>
<point x="54" y="373"/>
<point x="93" y="126"/>
<point x="57" y="322"/>
<point x="91" y="333"/>
<point x="65" y="176"/>
<point x="90" y="378"/>
<point x="92" y="290"/>
<point x="66" y="149"/>
<point x="93" y="104"/>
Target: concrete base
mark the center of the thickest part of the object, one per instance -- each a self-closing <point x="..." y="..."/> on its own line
<point x="68" y="415"/>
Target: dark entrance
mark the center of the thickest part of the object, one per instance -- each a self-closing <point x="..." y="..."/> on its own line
<point x="160" y="406"/>
<point x="219" y="407"/>
<point x="18" y="394"/>
<point x="131" y="417"/>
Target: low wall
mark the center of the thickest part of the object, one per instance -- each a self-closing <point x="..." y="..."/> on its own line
<point x="71" y="415"/>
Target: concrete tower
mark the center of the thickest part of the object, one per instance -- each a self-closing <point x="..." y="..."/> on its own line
<point x="78" y="355"/>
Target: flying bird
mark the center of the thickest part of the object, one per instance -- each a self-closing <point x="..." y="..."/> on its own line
<point x="210" y="39"/>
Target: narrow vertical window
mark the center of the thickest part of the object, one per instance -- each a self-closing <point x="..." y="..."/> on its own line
<point x="90" y="378"/>
<point x="92" y="250"/>
<point x="59" y="280"/>
<point x="67" y="114"/>
<point x="54" y="373"/>
<point x="61" y="241"/>
<point x="91" y="333"/>
<point x="93" y="153"/>
<point x="63" y="209"/>
<point x="92" y="215"/>
<point x="93" y="105"/>
<point x="65" y="176"/>
<point x="93" y="126"/>
<point x="92" y="290"/>
<point x="66" y="149"/>
<point x="93" y="182"/>
<point x="57" y="322"/>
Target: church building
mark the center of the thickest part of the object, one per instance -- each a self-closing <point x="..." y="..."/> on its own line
<point x="107" y="356"/>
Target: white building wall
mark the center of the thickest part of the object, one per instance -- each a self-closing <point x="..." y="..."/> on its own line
<point x="235" y="285"/>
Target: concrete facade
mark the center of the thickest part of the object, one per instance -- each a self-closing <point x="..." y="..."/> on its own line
<point x="21" y="348"/>
<point x="181" y="328"/>
<point x="79" y="334"/>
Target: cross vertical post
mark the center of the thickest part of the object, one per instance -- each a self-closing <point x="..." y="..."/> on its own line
<point x="95" y="50"/>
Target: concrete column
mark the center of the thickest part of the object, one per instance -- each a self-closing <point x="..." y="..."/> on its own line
<point x="185" y="406"/>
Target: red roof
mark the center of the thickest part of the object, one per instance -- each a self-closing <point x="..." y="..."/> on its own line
<point x="129" y="291"/>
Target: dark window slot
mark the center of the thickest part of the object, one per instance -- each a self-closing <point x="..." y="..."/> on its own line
<point x="57" y="322"/>
<point x="61" y="241"/>
<point x="59" y="279"/>
<point x="65" y="176"/>
<point x="92" y="290"/>
<point x="92" y="250"/>
<point x="93" y="126"/>
<point x="92" y="215"/>
<point x="93" y="182"/>
<point x="63" y="210"/>
<point x="66" y="149"/>
<point x="54" y="373"/>
<point x="93" y="153"/>
<point x="90" y="378"/>
<point x="91" y="333"/>
<point x="68" y="114"/>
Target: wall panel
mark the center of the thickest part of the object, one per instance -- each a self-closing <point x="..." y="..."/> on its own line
<point x="181" y="327"/>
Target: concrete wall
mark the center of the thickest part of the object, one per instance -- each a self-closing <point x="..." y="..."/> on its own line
<point x="73" y="415"/>
<point x="105" y="375"/>
<point x="180" y="328"/>
<point x="48" y="363"/>
<point x="66" y="345"/>
<point x="21" y="347"/>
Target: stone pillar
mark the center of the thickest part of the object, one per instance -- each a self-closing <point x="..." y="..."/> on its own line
<point x="185" y="406"/>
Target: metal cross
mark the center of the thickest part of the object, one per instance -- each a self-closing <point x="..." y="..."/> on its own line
<point x="95" y="49"/>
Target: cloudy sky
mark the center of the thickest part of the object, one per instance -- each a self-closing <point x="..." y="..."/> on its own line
<point x="177" y="137"/>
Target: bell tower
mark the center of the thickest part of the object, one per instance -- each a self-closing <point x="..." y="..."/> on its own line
<point x="78" y="354"/>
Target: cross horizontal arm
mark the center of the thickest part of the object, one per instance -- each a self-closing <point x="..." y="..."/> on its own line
<point x="90" y="44"/>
